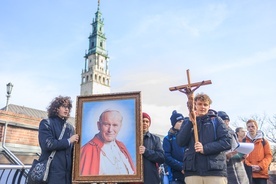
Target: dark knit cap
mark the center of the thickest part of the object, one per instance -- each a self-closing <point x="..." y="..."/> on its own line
<point x="175" y="117"/>
<point x="223" y="115"/>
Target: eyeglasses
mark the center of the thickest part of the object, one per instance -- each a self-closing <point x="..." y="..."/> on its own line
<point x="65" y="106"/>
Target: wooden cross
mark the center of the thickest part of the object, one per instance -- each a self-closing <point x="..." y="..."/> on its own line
<point x="187" y="89"/>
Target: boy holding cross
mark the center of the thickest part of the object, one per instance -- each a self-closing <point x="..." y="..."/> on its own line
<point x="204" y="160"/>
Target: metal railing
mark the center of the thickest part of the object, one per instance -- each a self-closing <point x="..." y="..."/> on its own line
<point x="13" y="174"/>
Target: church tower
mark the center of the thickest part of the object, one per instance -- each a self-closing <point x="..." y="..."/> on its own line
<point x="95" y="75"/>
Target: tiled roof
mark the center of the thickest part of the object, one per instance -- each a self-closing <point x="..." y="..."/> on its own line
<point x="32" y="112"/>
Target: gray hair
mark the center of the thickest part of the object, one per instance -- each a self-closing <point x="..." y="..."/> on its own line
<point x="110" y="110"/>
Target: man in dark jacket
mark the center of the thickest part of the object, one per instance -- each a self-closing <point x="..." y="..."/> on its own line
<point x="174" y="153"/>
<point x="153" y="154"/>
<point x="204" y="161"/>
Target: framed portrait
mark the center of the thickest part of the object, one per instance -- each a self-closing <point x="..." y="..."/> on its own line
<point x="110" y="132"/>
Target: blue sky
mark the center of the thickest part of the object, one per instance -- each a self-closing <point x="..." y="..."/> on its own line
<point x="151" y="44"/>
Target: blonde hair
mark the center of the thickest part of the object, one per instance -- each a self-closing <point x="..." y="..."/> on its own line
<point x="203" y="97"/>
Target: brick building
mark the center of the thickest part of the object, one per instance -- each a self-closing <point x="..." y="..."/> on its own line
<point x="19" y="133"/>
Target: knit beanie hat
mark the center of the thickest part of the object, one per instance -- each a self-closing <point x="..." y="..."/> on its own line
<point x="223" y="115"/>
<point x="145" y="115"/>
<point x="175" y="117"/>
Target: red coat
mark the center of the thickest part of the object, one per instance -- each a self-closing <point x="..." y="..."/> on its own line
<point x="90" y="156"/>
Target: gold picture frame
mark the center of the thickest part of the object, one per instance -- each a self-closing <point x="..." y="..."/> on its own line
<point x="88" y="112"/>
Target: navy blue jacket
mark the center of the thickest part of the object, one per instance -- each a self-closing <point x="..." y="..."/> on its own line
<point x="174" y="155"/>
<point x="152" y="158"/>
<point x="48" y="134"/>
<point x="215" y="140"/>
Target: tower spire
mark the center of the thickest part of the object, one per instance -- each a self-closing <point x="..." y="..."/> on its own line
<point x="96" y="76"/>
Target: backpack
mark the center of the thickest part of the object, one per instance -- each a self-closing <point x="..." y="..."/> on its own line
<point x="215" y="124"/>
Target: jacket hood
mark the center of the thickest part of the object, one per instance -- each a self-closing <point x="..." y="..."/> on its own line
<point x="259" y="135"/>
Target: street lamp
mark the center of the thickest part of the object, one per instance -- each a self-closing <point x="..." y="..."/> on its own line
<point x="9" y="90"/>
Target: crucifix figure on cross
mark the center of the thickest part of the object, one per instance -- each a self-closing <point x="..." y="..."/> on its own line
<point x="189" y="89"/>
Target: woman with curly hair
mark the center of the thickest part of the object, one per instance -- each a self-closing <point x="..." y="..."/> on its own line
<point x="48" y="135"/>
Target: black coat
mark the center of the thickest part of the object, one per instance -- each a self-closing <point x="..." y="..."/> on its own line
<point x="215" y="140"/>
<point x="152" y="158"/>
<point x="48" y="134"/>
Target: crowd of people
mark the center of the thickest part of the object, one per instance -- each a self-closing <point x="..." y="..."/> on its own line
<point x="213" y="159"/>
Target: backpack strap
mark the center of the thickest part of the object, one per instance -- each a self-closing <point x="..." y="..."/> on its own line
<point x="51" y="157"/>
<point x="263" y="141"/>
<point x="215" y="124"/>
